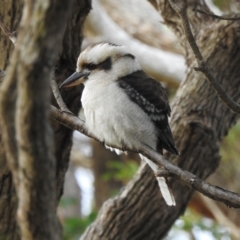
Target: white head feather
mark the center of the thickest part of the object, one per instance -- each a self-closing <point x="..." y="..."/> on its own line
<point x="122" y="62"/>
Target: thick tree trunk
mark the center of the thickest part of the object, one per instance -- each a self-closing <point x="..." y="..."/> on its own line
<point x="199" y="122"/>
<point x="11" y="12"/>
<point x="66" y="65"/>
<point x="8" y="198"/>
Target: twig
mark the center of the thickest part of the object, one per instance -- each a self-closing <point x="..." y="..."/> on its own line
<point x="11" y="35"/>
<point x="181" y="10"/>
<point x="227" y="197"/>
<point x="57" y="94"/>
<point x="216" y="16"/>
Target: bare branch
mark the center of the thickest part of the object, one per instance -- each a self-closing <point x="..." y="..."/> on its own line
<point x="227" y="197"/>
<point x="216" y="16"/>
<point x="69" y="121"/>
<point x="181" y="10"/>
<point x="11" y="35"/>
<point x="57" y="94"/>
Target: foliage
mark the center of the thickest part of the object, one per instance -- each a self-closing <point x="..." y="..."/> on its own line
<point x="121" y="170"/>
<point x="229" y="168"/>
<point x="223" y="4"/>
<point x="74" y="227"/>
<point x="66" y="202"/>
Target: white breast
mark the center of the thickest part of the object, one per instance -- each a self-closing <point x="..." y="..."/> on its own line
<point x="115" y="119"/>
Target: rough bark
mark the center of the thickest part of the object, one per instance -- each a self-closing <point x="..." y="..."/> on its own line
<point x="199" y="122"/>
<point x="11" y="12"/>
<point x="8" y="198"/>
<point x="65" y="66"/>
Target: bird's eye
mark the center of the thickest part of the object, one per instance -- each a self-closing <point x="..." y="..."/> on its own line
<point x="105" y="65"/>
<point x="91" y="66"/>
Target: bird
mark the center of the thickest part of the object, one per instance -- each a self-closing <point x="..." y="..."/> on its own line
<point x="123" y="106"/>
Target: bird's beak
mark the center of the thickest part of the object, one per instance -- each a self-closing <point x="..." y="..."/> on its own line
<point x="75" y="79"/>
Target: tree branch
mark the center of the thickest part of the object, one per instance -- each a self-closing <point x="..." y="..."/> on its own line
<point x="181" y="10"/>
<point x="11" y="35"/>
<point x="199" y="122"/>
<point x="227" y="197"/>
<point x="57" y="94"/>
<point x="216" y="16"/>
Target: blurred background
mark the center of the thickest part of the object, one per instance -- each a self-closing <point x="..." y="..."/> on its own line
<point x="96" y="174"/>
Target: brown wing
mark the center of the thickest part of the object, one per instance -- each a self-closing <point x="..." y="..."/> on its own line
<point x="149" y="94"/>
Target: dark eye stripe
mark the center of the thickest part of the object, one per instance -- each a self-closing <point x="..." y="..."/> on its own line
<point x="105" y="65"/>
<point x="91" y="66"/>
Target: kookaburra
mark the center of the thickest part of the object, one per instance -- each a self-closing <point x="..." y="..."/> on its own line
<point x="123" y="106"/>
